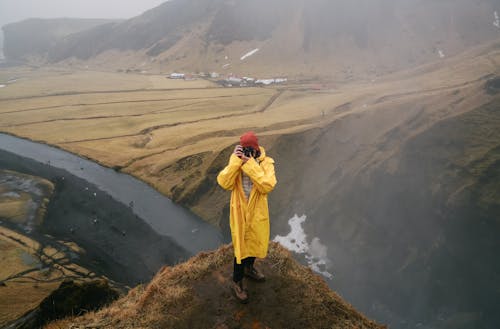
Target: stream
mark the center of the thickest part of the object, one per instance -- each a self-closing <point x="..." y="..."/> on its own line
<point x="127" y="229"/>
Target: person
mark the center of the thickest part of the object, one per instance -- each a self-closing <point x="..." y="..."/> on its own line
<point x="249" y="176"/>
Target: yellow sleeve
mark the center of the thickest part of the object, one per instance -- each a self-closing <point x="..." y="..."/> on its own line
<point x="227" y="177"/>
<point x="263" y="176"/>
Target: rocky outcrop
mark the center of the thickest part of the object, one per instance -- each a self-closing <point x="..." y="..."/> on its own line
<point x="196" y="294"/>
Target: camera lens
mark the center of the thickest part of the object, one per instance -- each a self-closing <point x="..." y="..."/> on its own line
<point x="248" y="151"/>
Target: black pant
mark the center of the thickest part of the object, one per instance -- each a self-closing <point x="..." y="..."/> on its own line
<point x="239" y="269"/>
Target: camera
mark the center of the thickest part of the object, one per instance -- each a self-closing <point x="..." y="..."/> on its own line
<point x="248" y="151"/>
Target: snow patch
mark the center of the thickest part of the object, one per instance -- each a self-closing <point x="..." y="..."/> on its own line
<point x="496" y="22"/>
<point x="2" y="86"/>
<point x="225" y="66"/>
<point x="296" y="239"/>
<point x="315" y="253"/>
<point x="250" y="53"/>
<point x="441" y="54"/>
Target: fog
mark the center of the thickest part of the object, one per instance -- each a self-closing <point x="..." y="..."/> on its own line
<point x="17" y="10"/>
<point x="393" y="197"/>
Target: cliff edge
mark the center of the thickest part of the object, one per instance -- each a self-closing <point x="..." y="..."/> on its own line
<point x="196" y="294"/>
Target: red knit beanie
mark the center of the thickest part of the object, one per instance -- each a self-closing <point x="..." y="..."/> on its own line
<point x="249" y="139"/>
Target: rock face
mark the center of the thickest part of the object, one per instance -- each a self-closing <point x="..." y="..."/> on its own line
<point x="31" y="39"/>
<point x="343" y="38"/>
<point x="423" y="223"/>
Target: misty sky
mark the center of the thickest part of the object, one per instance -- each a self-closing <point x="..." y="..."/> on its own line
<point x="16" y="10"/>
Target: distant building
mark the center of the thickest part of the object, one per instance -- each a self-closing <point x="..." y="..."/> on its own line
<point x="214" y="75"/>
<point x="234" y="80"/>
<point x="188" y="77"/>
<point x="177" y="75"/>
<point x="267" y="82"/>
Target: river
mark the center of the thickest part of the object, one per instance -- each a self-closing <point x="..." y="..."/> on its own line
<point x="122" y="222"/>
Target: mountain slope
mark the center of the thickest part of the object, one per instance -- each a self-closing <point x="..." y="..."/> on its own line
<point x="343" y="39"/>
<point x="31" y="39"/>
<point x="196" y="294"/>
<point x="402" y="191"/>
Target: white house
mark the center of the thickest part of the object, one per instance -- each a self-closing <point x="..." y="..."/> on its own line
<point x="234" y="80"/>
<point x="177" y="75"/>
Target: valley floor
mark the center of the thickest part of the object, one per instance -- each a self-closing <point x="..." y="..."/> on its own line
<point x="169" y="132"/>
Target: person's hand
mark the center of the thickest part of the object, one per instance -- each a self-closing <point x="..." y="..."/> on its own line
<point x="238" y="151"/>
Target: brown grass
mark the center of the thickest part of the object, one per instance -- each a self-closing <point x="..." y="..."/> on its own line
<point x="15" y="209"/>
<point x="189" y="295"/>
<point x="122" y="122"/>
<point x="50" y="80"/>
<point x="16" y="298"/>
<point x="18" y="208"/>
<point x="24" y="292"/>
<point x="138" y="126"/>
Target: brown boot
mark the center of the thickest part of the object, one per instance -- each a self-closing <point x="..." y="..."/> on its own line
<point x="254" y="274"/>
<point x="239" y="291"/>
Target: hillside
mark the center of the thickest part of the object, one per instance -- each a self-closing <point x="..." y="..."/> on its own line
<point x="340" y="39"/>
<point x="397" y="177"/>
<point x="196" y="294"/>
<point x="31" y="39"/>
<point x="412" y="153"/>
<point x="386" y="136"/>
<point x="420" y="215"/>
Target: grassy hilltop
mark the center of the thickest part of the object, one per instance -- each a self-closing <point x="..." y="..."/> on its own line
<point x="196" y="294"/>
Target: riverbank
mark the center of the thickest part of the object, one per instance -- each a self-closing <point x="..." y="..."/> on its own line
<point x="117" y="243"/>
<point x="31" y="270"/>
<point x="70" y="228"/>
<point x="160" y="213"/>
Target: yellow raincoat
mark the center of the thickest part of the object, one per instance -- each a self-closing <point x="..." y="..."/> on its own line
<point x="249" y="219"/>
